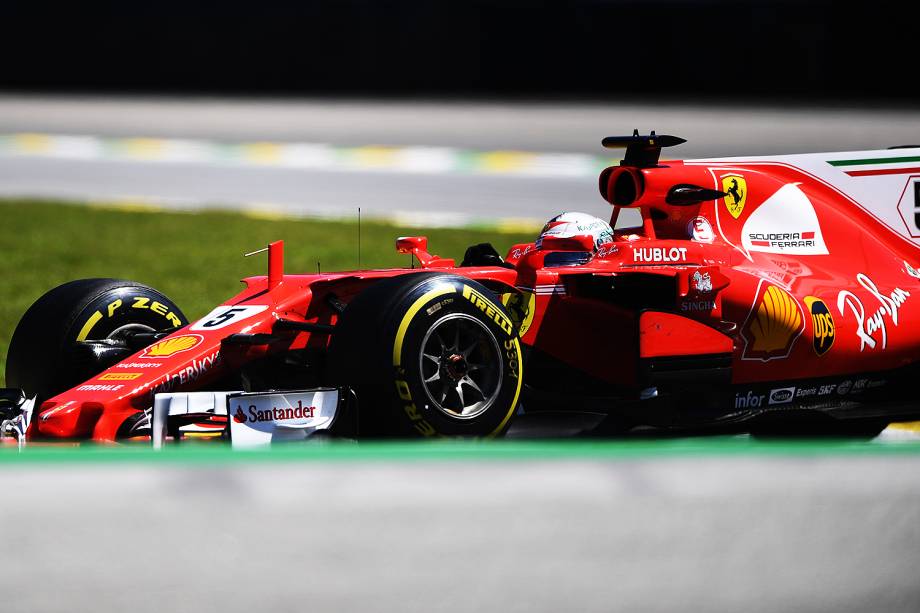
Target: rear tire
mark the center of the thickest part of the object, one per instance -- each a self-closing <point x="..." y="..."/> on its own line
<point x="39" y="359"/>
<point x="429" y="354"/>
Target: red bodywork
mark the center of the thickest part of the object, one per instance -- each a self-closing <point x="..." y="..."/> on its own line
<point x="788" y="273"/>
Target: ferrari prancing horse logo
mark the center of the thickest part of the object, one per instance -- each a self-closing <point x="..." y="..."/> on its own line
<point x="520" y="305"/>
<point x="736" y="189"/>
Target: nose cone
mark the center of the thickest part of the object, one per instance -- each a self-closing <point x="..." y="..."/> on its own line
<point x="69" y="419"/>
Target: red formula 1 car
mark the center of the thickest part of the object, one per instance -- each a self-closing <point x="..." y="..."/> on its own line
<point x="757" y="293"/>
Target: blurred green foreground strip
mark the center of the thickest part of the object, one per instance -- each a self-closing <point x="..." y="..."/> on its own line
<point x="452" y="450"/>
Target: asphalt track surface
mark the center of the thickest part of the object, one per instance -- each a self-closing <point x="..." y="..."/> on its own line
<point x="711" y="129"/>
<point x="689" y="525"/>
<point x="416" y="198"/>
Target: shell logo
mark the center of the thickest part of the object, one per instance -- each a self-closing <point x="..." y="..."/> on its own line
<point x="171" y="346"/>
<point x="773" y="324"/>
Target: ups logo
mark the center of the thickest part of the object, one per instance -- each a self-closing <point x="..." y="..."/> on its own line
<point x="822" y="324"/>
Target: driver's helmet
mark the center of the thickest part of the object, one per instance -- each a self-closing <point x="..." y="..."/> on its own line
<point x="575" y="232"/>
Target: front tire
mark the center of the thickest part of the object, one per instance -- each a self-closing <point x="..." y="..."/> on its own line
<point x="40" y="359"/>
<point x="429" y="355"/>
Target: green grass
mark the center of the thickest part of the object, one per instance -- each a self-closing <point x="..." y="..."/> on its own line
<point x="194" y="258"/>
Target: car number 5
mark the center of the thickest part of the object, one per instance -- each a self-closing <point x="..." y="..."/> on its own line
<point x="223" y="316"/>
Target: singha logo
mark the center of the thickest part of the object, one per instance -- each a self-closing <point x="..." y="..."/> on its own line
<point x="702" y="283"/>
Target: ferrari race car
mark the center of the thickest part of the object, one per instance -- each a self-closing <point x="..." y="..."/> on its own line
<point x="757" y="293"/>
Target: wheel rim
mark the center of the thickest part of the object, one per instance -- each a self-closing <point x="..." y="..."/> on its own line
<point x="122" y="331"/>
<point x="461" y="366"/>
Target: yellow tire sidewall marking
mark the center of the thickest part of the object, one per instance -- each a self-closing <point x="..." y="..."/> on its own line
<point x="517" y="392"/>
<point x="410" y="314"/>
<point x="89" y="325"/>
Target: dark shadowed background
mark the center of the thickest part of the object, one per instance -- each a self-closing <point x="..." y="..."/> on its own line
<point x="731" y="50"/>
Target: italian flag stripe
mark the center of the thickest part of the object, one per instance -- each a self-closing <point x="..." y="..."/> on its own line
<point x="866" y="161"/>
<point x="883" y="171"/>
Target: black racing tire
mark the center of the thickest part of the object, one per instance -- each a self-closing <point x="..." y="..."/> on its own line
<point x="473" y="374"/>
<point x="39" y="359"/>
